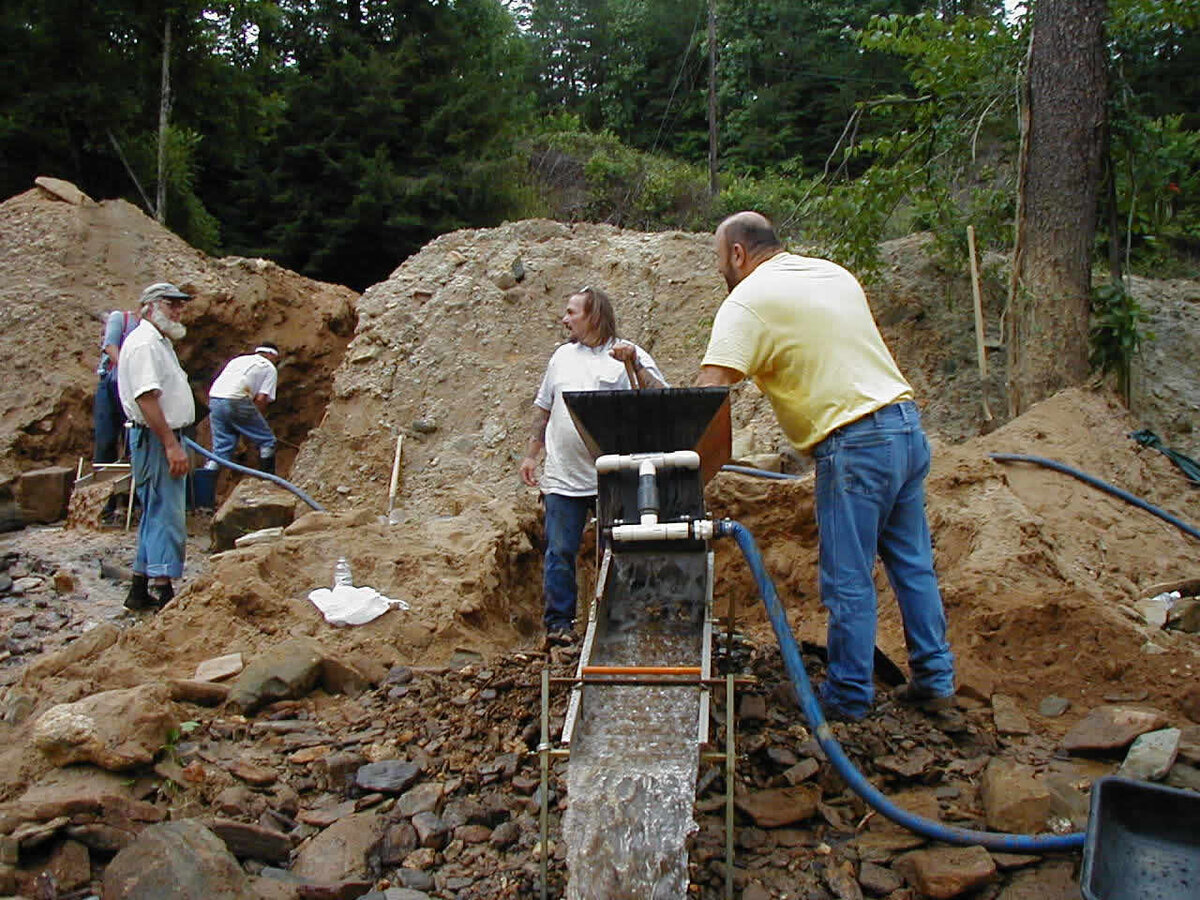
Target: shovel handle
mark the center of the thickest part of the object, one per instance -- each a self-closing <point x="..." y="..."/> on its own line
<point x="632" y="373"/>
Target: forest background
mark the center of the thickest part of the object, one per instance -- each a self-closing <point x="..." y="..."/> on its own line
<point x="336" y="137"/>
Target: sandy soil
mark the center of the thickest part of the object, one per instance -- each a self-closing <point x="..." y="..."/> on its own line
<point x="64" y="266"/>
<point x="1039" y="571"/>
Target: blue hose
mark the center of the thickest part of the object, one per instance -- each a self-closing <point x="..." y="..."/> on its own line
<point x="760" y="473"/>
<point x="286" y="485"/>
<point x="794" y="664"/>
<point x="1102" y="485"/>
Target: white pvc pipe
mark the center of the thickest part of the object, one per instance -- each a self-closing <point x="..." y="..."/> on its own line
<point x="677" y="459"/>
<point x="698" y="530"/>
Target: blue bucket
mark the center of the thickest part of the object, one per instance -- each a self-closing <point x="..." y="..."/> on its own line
<point x="202" y="488"/>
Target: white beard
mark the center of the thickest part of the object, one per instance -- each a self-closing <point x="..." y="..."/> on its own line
<point x="164" y="323"/>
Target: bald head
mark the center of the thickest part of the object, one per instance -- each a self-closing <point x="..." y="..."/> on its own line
<point x="744" y="240"/>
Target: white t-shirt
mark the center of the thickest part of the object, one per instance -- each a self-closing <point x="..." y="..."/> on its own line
<point x="570" y="469"/>
<point x="149" y="363"/>
<point x="245" y="377"/>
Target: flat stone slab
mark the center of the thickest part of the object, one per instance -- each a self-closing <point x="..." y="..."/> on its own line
<point x="1014" y="799"/>
<point x="219" y="668"/>
<point x="1008" y="716"/>
<point x="389" y="776"/>
<point x="1189" y="745"/>
<point x="1152" y="755"/>
<point x="1111" y="728"/>
<point x="945" y="872"/>
<point x="1053" y="707"/>
<point x="245" y="840"/>
<point x="777" y="807"/>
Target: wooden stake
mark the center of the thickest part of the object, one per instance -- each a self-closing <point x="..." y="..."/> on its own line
<point x="395" y="474"/>
<point x="979" y="348"/>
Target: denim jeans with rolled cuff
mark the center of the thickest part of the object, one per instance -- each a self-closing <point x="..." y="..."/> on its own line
<point x="565" y="521"/>
<point x="871" y="502"/>
<point x="162" y="532"/>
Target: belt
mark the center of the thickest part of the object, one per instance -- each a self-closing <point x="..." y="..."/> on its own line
<point x="142" y="427"/>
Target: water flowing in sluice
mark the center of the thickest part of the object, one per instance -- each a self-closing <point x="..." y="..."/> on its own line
<point x="631" y="781"/>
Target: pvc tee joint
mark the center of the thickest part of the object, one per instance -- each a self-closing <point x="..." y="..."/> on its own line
<point x="694" y="530"/>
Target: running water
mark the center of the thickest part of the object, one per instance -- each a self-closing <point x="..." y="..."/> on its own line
<point x="631" y="781"/>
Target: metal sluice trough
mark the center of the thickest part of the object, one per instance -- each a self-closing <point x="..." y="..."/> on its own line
<point x="650" y="621"/>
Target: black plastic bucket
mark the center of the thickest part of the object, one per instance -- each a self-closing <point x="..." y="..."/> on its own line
<point x="1143" y="842"/>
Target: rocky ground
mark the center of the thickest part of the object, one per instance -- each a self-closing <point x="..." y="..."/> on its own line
<point x="236" y="745"/>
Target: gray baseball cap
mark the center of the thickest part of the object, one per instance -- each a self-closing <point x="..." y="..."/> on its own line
<point x="162" y="290"/>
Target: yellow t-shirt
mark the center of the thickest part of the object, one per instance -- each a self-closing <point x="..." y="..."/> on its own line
<point x="802" y="329"/>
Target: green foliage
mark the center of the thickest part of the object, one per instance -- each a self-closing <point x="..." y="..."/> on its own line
<point x="1117" y="331"/>
<point x="186" y="214"/>
<point x="595" y="177"/>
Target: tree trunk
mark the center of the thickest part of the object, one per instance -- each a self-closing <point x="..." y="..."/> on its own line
<point x="714" y="184"/>
<point x="1061" y="164"/>
<point x="164" y="116"/>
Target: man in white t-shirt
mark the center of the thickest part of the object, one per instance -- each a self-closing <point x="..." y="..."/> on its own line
<point x="237" y="401"/>
<point x="158" y="403"/>
<point x="593" y="359"/>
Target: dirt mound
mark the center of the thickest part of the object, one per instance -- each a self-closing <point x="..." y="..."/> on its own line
<point x="64" y="266"/>
<point x="450" y="349"/>
<point x="1038" y="570"/>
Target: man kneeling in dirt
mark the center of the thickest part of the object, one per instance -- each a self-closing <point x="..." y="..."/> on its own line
<point x="593" y="359"/>
<point x="158" y="402"/>
<point x="239" y="399"/>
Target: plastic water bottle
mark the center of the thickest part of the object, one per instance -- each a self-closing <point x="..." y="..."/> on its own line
<point x="341" y="573"/>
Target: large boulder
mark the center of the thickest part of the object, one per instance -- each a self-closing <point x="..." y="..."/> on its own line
<point x="340" y="851"/>
<point x="285" y="672"/>
<point x="181" y="860"/>
<point x="114" y="730"/>
<point x="44" y="494"/>
<point x="253" y="506"/>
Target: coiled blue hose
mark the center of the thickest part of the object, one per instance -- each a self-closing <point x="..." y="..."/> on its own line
<point x="1102" y="485"/>
<point x="794" y="664"/>
<point x="286" y="485"/>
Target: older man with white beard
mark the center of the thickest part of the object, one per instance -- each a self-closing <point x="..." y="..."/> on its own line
<point x="158" y="402"/>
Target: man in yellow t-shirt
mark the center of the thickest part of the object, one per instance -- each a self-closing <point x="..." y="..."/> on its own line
<point x="802" y="329"/>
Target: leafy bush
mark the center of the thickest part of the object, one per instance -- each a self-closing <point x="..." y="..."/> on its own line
<point x="1117" y="331"/>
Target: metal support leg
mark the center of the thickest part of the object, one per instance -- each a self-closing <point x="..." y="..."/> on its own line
<point x="544" y="753"/>
<point x="730" y="761"/>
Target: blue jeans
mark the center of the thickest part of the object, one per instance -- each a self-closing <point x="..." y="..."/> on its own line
<point x="229" y="418"/>
<point x="871" y="500"/>
<point x="162" y="532"/>
<point x="565" y="519"/>
<point x="108" y="421"/>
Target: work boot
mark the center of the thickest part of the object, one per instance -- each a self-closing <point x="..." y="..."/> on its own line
<point x="921" y="698"/>
<point x="558" y="637"/>
<point x="267" y="464"/>
<point x="138" y="597"/>
<point x="161" y="594"/>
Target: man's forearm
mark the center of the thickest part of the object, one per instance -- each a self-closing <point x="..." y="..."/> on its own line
<point x="537" y="434"/>
<point x="646" y="377"/>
